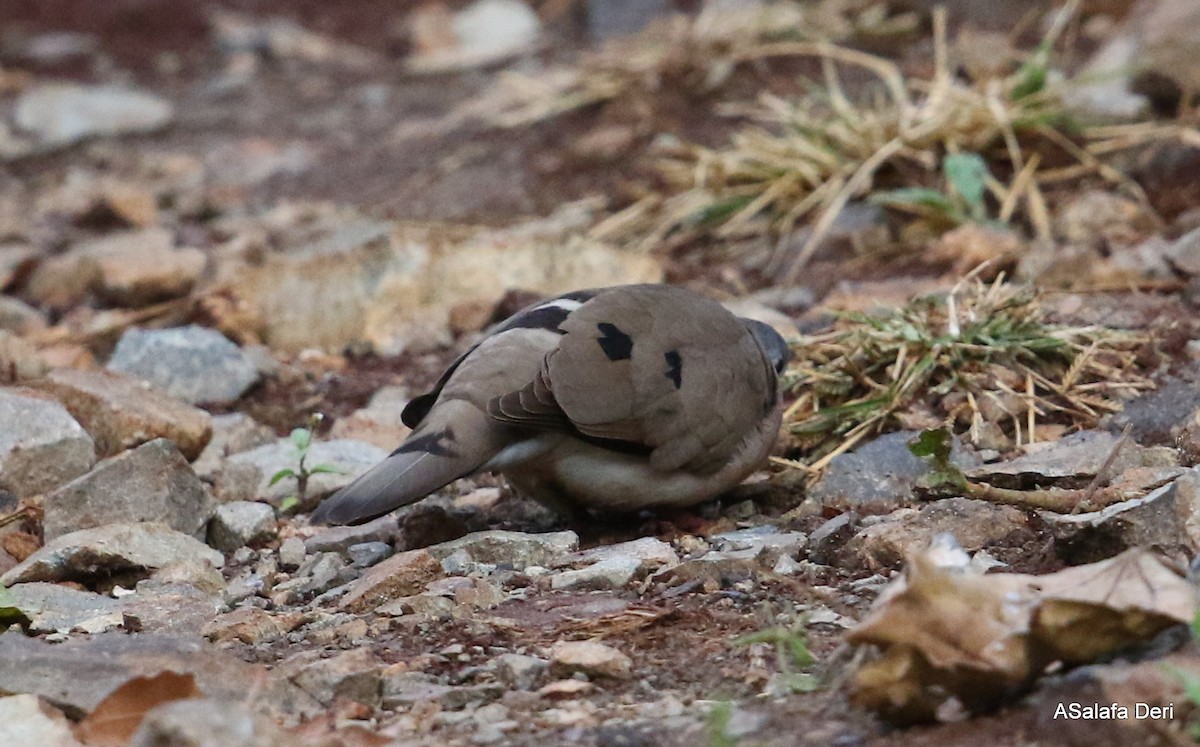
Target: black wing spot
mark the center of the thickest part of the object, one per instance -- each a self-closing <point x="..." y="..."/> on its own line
<point x="617" y="345"/>
<point x="436" y="443"/>
<point x="675" y="367"/>
<point x="543" y="317"/>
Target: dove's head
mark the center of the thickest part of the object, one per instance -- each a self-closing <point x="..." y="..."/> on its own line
<point x="771" y="342"/>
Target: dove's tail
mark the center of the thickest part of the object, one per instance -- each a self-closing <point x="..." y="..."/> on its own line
<point x="452" y="441"/>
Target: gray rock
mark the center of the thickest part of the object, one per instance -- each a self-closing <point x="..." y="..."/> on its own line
<point x="150" y="483"/>
<point x="403" y="574"/>
<point x="176" y="608"/>
<point x="195" y="364"/>
<point x="403" y="688"/>
<point x="877" y="476"/>
<point x="367" y="554"/>
<point x="610" y="573"/>
<point x="316" y="574"/>
<point x="140" y="267"/>
<point x="231" y="434"/>
<point x="766" y="543"/>
<point x="241" y="523"/>
<point x="205" y="722"/>
<point x="77" y="674"/>
<point x="201" y="576"/>
<point x="650" y="553"/>
<point x="609" y="18"/>
<point x="291" y="553"/>
<point x="341" y="539"/>
<point x="1184" y="252"/>
<point x="111" y="549"/>
<point x="41" y="445"/>
<point x="247" y="476"/>
<point x="1072" y="459"/>
<point x="433" y="606"/>
<point x="589" y="657"/>
<point x="352" y="675"/>
<point x="511" y="549"/>
<point x="25" y="721"/>
<point x="1158" y="417"/>
<point x="56" y="608"/>
<point x="467" y="593"/>
<point x="484" y="32"/>
<point x="18" y="317"/>
<point x="885" y="541"/>
<point x="715" y="570"/>
<point x="19" y="359"/>
<point x="64" y="113"/>
<point x="1166" y="520"/>
<point x="121" y="412"/>
<point x="520" y="672"/>
<point x="249" y="625"/>
<point x="742" y="723"/>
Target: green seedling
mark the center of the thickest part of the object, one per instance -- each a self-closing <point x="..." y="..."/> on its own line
<point x="302" y="440"/>
<point x="718" y="724"/>
<point x="964" y="200"/>
<point x="791" y="650"/>
<point x="934" y="445"/>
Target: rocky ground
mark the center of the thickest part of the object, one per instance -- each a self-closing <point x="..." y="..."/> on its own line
<point x="236" y="237"/>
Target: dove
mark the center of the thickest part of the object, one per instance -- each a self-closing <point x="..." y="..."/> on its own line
<point x="612" y="400"/>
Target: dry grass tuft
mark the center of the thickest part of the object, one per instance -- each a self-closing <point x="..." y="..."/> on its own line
<point x="805" y="159"/>
<point x="981" y="355"/>
<point x="809" y="157"/>
<point x="696" y="55"/>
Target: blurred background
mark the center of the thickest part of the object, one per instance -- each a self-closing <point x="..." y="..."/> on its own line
<point x="384" y="179"/>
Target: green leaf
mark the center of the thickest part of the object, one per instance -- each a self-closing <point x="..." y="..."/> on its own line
<point x="718" y="723"/>
<point x="915" y="197"/>
<point x="287" y="504"/>
<point x="799" y="682"/>
<point x="326" y="469"/>
<point x="796" y="643"/>
<point x="301" y="438"/>
<point x="967" y="173"/>
<point x="9" y="611"/>
<point x="281" y="474"/>
<point x="1033" y="74"/>
<point x="933" y="442"/>
<point x="719" y="212"/>
<point x="934" y="445"/>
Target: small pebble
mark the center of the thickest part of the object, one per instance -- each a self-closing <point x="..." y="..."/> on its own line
<point x="367" y="554"/>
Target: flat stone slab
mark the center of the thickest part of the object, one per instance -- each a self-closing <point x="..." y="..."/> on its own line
<point x="150" y="483"/>
<point x="41" y="445"/>
<point x="121" y="412"/>
<point x="110" y="549"/>
<point x="77" y="674"/>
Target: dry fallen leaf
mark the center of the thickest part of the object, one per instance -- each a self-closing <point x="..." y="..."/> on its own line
<point x="113" y="722"/>
<point x="20" y="545"/>
<point x="946" y="629"/>
<point x="952" y="638"/>
<point x="1091" y="610"/>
